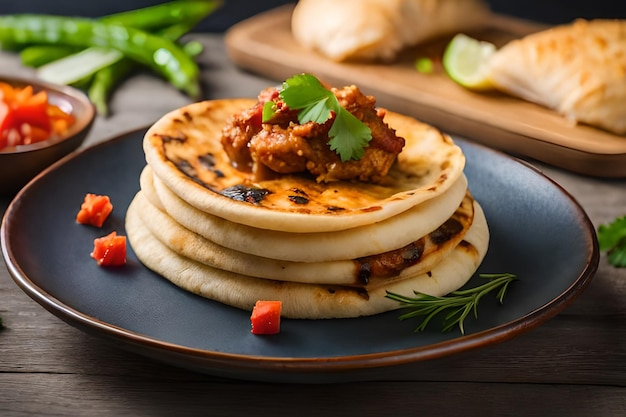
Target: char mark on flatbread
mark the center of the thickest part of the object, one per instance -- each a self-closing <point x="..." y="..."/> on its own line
<point x="429" y="164"/>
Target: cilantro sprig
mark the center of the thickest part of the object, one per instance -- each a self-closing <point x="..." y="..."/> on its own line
<point x="458" y="304"/>
<point x="612" y="240"/>
<point x="348" y="135"/>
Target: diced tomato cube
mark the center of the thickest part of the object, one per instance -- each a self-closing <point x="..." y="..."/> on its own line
<point x="94" y="210"/>
<point x="110" y="250"/>
<point x="265" y="318"/>
<point x="27" y="117"/>
<point x="34" y="111"/>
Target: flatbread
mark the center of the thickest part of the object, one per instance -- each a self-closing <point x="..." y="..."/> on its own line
<point x="577" y="69"/>
<point x="146" y="183"/>
<point x="183" y="149"/>
<point x="414" y="259"/>
<point x="307" y="301"/>
<point x="352" y="243"/>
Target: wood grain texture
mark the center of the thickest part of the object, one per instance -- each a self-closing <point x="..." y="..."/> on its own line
<point x="264" y="45"/>
<point x="573" y="365"/>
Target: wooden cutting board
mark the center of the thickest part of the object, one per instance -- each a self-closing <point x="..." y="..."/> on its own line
<point x="263" y="44"/>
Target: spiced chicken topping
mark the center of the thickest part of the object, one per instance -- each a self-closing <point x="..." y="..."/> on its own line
<point x="284" y="146"/>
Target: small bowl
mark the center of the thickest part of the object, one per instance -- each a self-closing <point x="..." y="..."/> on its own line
<point x="19" y="164"/>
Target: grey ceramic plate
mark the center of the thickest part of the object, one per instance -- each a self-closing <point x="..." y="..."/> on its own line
<point x="538" y="232"/>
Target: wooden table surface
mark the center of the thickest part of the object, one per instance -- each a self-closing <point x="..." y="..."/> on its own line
<point x="573" y="365"/>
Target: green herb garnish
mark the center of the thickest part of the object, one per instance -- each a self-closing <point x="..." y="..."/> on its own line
<point x="424" y="65"/>
<point x="459" y="304"/>
<point x="348" y="135"/>
<point x="612" y="240"/>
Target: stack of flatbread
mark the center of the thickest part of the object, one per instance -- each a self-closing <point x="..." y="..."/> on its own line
<point x="326" y="250"/>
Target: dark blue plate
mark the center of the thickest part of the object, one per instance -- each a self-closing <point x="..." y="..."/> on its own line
<point x="538" y="232"/>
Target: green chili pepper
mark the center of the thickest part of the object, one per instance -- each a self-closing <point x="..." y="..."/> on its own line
<point x="177" y="17"/>
<point x="158" y="53"/>
<point x="107" y="78"/>
<point x="174" y="32"/>
<point x="38" y="55"/>
<point x="83" y="84"/>
<point x="193" y="48"/>
<point x="188" y="12"/>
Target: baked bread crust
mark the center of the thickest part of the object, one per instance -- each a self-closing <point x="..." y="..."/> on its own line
<point x="184" y="150"/>
<point x="578" y="69"/>
<point x="378" y="29"/>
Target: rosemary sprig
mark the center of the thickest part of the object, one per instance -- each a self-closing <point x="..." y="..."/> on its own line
<point x="458" y="304"/>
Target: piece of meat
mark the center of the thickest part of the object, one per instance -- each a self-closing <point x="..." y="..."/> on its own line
<point x="363" y="107"/>
<point x="284" y="146"/>
<point x="284" y="150"/>
<point x="238" y="132"/>
<point x="378" y="157"/>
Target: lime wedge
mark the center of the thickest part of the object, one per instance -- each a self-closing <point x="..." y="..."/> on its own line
<point x="466" y="61"/>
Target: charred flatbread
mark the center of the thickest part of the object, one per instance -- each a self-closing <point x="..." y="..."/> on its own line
<point x="351" y="243"/>
<point x="183" y="149"/>
<point x="416" y="258"/>
<point x="301" y="300"/>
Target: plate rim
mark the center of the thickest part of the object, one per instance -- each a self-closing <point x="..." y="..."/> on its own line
<point x="211" y="361"/>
